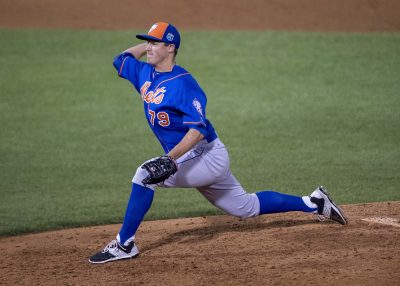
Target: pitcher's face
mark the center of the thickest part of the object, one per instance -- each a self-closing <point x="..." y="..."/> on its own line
<point x="157" y="53"/>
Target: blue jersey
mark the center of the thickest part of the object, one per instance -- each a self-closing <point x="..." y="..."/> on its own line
<point x="173" y="101"/>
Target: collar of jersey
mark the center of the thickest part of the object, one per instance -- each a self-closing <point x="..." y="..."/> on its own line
<point x="158" y="74"/>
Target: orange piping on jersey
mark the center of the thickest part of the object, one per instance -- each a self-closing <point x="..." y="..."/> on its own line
<point x="120" y="69"/>
<point x="198" y="122"/>
<point x="171" y="79"/>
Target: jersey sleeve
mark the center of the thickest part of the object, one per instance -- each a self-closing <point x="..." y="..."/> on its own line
<point x="193" y="107"/>
<point x="128" y="68"/>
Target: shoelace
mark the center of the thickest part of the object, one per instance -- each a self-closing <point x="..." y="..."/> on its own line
<point x="112" y="244"/>
<point x="325" y="214"/>
<point x="320" y="217"/>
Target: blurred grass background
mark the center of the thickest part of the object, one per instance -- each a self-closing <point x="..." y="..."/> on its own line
<point x="296" y="110"/>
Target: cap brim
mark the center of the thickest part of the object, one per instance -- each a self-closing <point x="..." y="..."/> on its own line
<point x="148" y="38"/>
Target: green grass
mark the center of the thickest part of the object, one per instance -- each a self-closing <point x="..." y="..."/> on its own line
<point x="295" y="109"/>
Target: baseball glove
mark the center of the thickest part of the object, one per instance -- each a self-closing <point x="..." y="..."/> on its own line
<point x="159" y="170"/>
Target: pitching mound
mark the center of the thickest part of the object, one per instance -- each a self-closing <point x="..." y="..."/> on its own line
<point x="290" y="248"/>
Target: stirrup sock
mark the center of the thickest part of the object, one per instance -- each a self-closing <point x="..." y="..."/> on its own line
<point x="273" y="202"/>
<point x="138" y="205"/>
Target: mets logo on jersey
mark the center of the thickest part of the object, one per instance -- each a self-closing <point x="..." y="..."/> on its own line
<point x="197" y="105"/>
<point x="155" y="97"/>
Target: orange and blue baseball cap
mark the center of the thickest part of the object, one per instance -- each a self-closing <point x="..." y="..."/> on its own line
<point x="162" y="32"/>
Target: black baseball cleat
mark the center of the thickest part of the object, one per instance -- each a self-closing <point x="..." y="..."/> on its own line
<point x="115" y="251"/>
<point x="327" y="209"/>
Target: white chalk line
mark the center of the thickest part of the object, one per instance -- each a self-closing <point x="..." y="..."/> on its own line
<point x="383" y="220"/>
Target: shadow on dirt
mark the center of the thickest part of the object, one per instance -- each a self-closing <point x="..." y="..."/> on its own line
<point x="215" y="228"/>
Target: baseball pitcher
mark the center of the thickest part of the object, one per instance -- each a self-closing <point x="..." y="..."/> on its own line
<point x="175" y="108"/>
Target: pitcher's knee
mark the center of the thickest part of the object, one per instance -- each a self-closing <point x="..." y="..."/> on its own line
<point x="243" y="214"/>
<point x="139" y="176"/>
<point x="247" y="207"/>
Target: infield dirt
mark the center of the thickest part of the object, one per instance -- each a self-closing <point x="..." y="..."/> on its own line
<point x="291" y="248"/>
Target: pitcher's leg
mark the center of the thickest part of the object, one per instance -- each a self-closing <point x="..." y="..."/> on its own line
<point x="274" y="202"/>
<point x="193" y="171"/>
<point x="230" y="196"/>
<point x="139" y="203"/>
